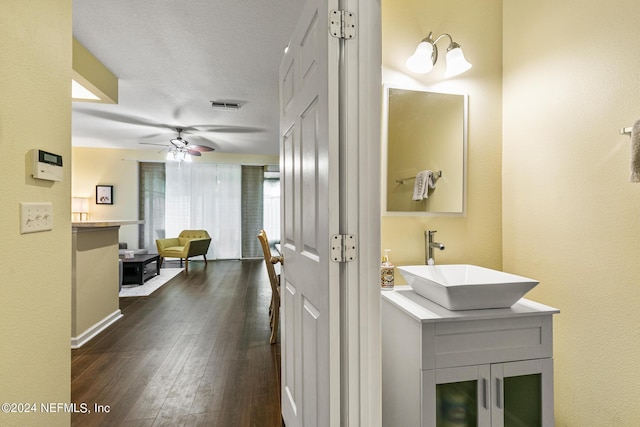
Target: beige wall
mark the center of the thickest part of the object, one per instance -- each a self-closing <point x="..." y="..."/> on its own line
<point x="35" y="289"/>
<point x="92" y="166"/>
<point x="475" y="237"/>
<point x="568" y="215"/>
<point x="571" y="217"/>
<point x="95" y="282"/>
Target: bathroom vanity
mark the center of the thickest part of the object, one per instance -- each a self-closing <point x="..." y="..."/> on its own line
<point x="490" y="367"/>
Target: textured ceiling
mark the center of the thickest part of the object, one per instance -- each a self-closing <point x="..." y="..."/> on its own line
<point x="172" y="58"/>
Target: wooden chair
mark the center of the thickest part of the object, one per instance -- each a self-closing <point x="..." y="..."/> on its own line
<point x="274" y="279"/>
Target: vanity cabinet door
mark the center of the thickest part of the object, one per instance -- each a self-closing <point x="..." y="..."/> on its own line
<point x="522" y="393"/>
<point x="457" y="397"/>
<point x="512" y="394"/>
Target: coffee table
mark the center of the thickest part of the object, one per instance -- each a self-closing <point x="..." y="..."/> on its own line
<point x="137" y="270"/>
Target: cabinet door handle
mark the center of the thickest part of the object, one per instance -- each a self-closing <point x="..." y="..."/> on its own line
<point x="485" y="393"/>
<point x="499" y="396"/>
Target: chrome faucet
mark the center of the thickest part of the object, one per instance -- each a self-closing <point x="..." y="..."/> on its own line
<point x="430" y="245"/>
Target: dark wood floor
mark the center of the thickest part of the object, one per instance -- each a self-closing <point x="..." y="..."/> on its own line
<point x="194" y="353"/>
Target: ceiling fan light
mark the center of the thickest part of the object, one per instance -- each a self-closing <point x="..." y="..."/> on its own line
<point x="170" y="156"/>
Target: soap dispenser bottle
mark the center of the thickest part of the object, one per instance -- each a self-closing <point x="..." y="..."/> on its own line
<point x="386" y="272"/>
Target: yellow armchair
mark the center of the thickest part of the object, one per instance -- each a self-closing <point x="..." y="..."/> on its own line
<point x="188" y="244"/>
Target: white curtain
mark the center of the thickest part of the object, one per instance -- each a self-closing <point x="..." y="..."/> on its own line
<point x="205" y="196"/>
<point x="272" y="208"/>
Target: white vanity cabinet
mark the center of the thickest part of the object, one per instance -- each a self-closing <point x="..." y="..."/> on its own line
<point x="444" y="368"/>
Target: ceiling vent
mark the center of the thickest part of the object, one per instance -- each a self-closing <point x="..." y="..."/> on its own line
<point x="226" y="105"/>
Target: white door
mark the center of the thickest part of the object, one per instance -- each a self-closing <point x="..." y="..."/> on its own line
<point x="310" y="282"/>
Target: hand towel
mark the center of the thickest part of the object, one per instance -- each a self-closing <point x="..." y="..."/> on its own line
<point x="635" y="152"/>
<point x="431" y="182"/>
<point x="425" y="180"/>
<point x="419" y="186"/>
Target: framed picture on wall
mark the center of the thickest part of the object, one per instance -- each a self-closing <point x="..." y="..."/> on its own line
<point x="104" y="194"/>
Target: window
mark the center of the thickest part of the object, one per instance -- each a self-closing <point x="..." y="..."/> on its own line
<point x="231" y="202"/>
<point x="151" y="204"/>
<point x="206" y="196"/>
<point x="271" y="195"/>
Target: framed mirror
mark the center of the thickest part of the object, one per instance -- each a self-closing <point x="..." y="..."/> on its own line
<point x="424" y="152"/>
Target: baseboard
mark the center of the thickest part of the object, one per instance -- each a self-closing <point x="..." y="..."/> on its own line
<point x="86" y="336"/>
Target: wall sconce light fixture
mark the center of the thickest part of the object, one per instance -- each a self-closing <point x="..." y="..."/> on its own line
<point x="426" y="55"/>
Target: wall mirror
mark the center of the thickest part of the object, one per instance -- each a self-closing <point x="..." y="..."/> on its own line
<point x="424" y="131"/>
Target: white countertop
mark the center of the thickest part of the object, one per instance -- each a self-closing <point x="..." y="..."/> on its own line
<point x="105" y="223"/>
<point x="425" y="310"/>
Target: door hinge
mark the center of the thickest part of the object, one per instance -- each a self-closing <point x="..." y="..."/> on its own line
<point x="344" y="248"/>
<point x="342" y="24"/>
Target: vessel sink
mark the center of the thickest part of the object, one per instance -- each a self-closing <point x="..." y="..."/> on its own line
<point x="466" y="287"/>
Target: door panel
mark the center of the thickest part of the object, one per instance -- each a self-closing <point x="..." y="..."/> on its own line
<point x="456" y="396"/>
<point x="310" y="191"/>
<point x="287" y="190"/>
<point x="522" y="393"/>
<point x="310" y="327"/>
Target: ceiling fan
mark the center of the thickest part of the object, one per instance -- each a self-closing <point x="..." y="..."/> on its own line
<point x="181" y="144"/>
<point x="198" y="135"/>
<point x="180" y="149"/>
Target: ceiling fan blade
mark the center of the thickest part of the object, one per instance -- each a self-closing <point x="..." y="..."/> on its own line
<point x="202" y="141"/>
<point x="200" y="148"/>
<point x="223" y="128"/>
<point x="116" y="117"/>
<point x="177" y="112"/>
<point x="154" y="143"/>
<point x="194" y="153"/>
<point x="154" y="135"/>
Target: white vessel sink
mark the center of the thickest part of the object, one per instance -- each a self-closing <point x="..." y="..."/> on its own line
<point x="466" y="287"/>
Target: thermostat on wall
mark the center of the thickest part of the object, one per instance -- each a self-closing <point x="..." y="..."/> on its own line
<point x="47" y="166"/>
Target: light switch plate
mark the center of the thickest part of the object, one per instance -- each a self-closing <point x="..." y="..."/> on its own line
<point x="35" y="217"/>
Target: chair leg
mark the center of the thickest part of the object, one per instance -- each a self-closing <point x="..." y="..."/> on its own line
<point x="186" y="265"/>
<point x="205" y="258"/>
<point x="271" y="314"/>
<point x="274" y="321"/>
<point x="160" y="261"/>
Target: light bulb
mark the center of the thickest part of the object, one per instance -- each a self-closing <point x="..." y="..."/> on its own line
<point x="420" y="62"/>
<point x="456" y="62"/>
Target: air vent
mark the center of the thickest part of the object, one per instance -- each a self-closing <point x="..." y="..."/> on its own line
<point x="225" y="105"/>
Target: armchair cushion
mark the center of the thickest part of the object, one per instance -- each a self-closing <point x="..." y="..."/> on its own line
<point x="171" y="248"/>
